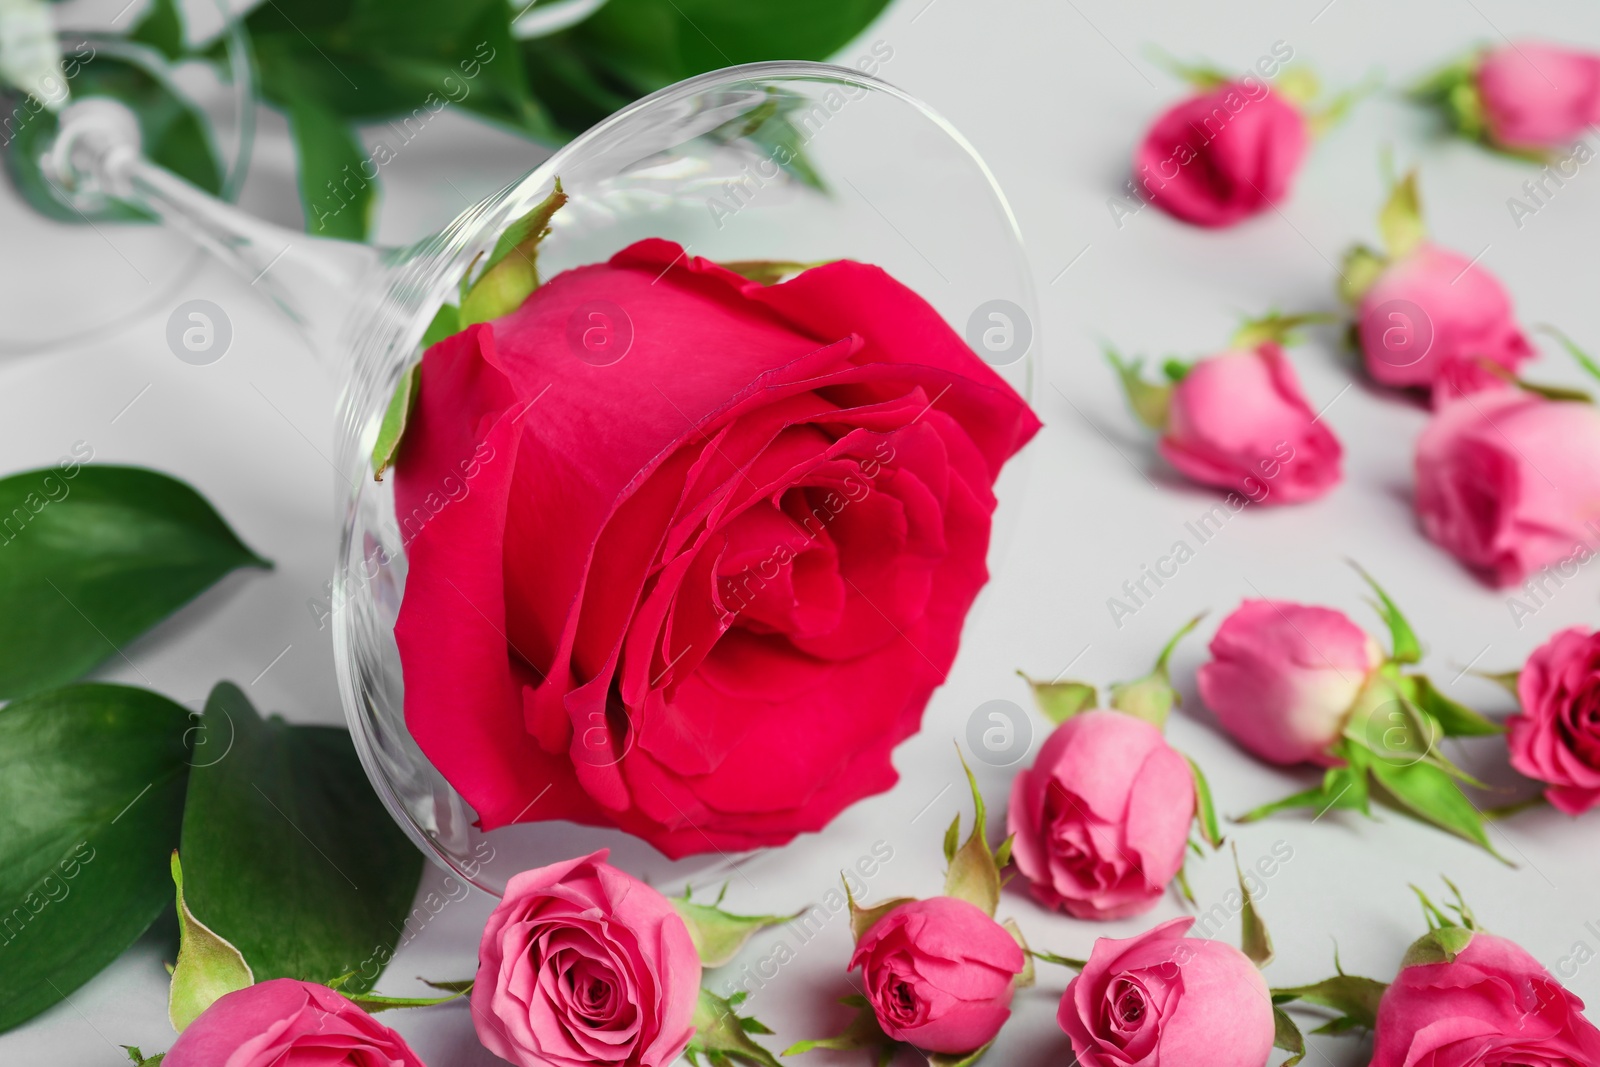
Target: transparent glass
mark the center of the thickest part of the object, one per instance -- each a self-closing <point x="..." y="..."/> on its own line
<point x="893" y="185"/>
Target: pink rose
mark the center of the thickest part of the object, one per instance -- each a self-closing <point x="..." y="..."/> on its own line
<point x="581" y="964"/>
<point x="1555" y="738"/>
<point x="1283" y="677"/>
<point x="1102" y="817"/>
<point x="939" y="974"/>
<point x="1508" y="481"/>
<point x="1493" y="1005"/>
<point x="1538" y="96"/>
<point x="1223" y="155"/>
<point x="1433" y="307"/>
<point x="284" y="1023"/>
<point x="1239" y="421"/>
<point x="1164" y="999"/>
<point x="699" y="594"/>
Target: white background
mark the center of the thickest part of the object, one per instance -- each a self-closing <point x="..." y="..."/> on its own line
<point x="1054" y="94"/>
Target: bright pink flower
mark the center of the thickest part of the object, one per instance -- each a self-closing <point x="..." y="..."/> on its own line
<point x="581" y="964"/>
<point x="1283" y="677"/>
<point x="1163" y="999"/>
<point x="1431" y="308"/>
<point x="284" y="1023"/>
<point x="1508" y="481"/>
<point x="1555" y="738"/>
<point x="939" y="973"/>
<point x="1493" y="1004"/>
<point x="1239" y="421"/>
<point x="1538" y="96"/>
<point x="1222" y="155"/>
<point x="702" y="592"/>
<point x="1102" y="817"/>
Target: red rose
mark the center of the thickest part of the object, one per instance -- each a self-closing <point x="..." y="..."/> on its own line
<point x="702" y="592"/>
<point x="1223" y="155"/>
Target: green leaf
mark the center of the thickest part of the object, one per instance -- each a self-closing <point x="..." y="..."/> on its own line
<point x="1360" y="272"/>
<point x="719" y="935"/>
<point x="289" y="854"/>
<point x="140" y="1060"/>
<point x="1400" y="221"/>
<point x="1454" y="719"/>
<point x="862" y="1033"/>
<point x="511" y="272"/>
<point x="973" y="875"/>
<point x="162" y="29"/>
<point x="93" y="556"/>
<point x="1403" y="640"/>
<point x="173" y="132"/>
<point x="1149" y="402"/>
<point x="1152" y="697"/>
<point x="1428" y="793"/>
<point x="336" y="192"/>
<point x="395" y="418"/>
<point x="1286" y="1036"/>
<point x="91" y="794"/>
<point x="208" y="968"/>
<point x="1205" y="810"/>
<point x="1254" y="940"/>
<point x="1579" y="356"/>
<point x="1060" y="701"/>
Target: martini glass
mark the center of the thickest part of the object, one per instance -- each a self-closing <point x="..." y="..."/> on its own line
<point x="871" y="174"/>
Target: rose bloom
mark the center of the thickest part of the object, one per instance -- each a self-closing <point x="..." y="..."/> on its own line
<point x="1493" y="1005"/>
<point x="1162" y="998"/>
<point x="1101" y="819"/>
<point x="581" y="964"/>
<point x="1222" y="155"/>
<point x="284" y="1023"/>
<point x="1509" y="482"/>
<point x="939" y="974"/>
<point x="1431" y="308"/>
<point x="1538" y="96"/>
<point x="1239" y="421"/>
<point x="1555" y="738"/>
<point x="699" y="594"/>
<point x="1283" y="677"/>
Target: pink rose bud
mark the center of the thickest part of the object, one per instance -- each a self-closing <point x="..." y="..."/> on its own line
<point x="1222" y="155"/>
<point x="284" y="1023"/>
<point x="1508" y="481"/>
<point x="1162" y="998"/>
<point x="1555" y="738"/>
<point x="581" y="964"/>
<point x="1283" y="677"/>
<point x="1239" y="421"/>
<point x="939" y="974"/>
<point x="1538" y="96"/>
<point x="1101" y="820"/>
<point x="1492" y="1004"/>
<point x="1430" y="308"/>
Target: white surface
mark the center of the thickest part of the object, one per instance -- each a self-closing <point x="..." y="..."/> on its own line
<point x="1054" y="95"/>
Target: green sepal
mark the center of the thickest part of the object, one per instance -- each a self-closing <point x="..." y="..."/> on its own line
<point x="1507" y="680"/>
<point x="1175" y="369"/>
<point x="511" y="272"/>
<point x="1582" y="358"/>
<point x="1354" y="998"/>
<point x="1286" y="1036"/>
<point x="1026" y="977"/>
<point x="1060" y="701"/>
<point x="973" y="875"/>
<point x="1059" y="961"/>
<point x="719" y="935"/>
<point x="376" y="1002"/>
<point x="1182" y="880"/>
<point x="1453" y="92"/>
<point x="1329" y="115"/>
<point x="862" y="1033"/>
<point x="1437" y="946"/>
<point x="722" y="1035"/>
<point x="1342" y="787"/>
<point x="1400" y="220"/>
<point x="1298" y="84"/>
<point x="1277" y="329"/>
<point x="1431" y="795"/>
<point x="1152" y="697"/>
<point x="1254" y="940"/>
<point x="446" y="322"/>
<point x="1454" y="719"/>
<point x="1149" y="402"/>
<point x="139" y="1059"/>
<point x="957" y="1059"/>
<point x="1201" y="76"/>
<point x="862" y="919"/>
<point x="1404" y="646"/>
<point x="1205" y="809"/>
<point x="770" y="271"/>
<point x="395" y="418"/>
<point x="1359" y="272"/>
<point x="208" y="966"/>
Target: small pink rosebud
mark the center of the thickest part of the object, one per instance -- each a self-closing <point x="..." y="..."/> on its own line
<point x="1538" y="96"/>
<point x="285" y="1023"/>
